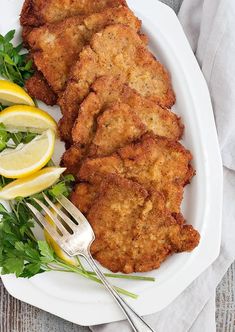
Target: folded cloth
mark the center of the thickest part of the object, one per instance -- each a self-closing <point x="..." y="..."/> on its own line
<point x="209" y="26"/>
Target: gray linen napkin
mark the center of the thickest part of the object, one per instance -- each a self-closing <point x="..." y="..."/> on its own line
<point x="210" y="28"/>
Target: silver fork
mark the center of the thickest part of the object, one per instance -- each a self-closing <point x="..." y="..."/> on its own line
<point x="77" y="241"/>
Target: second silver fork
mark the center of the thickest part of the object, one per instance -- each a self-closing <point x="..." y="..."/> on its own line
<point x="75" y="238"/>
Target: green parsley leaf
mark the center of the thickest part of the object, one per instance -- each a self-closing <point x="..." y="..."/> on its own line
<point x="14" y="265"/>
<point x="12" y="140"/>
<point x="28" y="137"/>
<point x="3" y="137"/>
<point x="19" y="246"/>
<point x="14" y="65"/>
<point x="2" y="107"/>
<point x="31" y="270"/>
<point x="46" y="252"/>
<point x="69" y="178"/>
<point x="9" y="36"/>
<point x="17" y="138"/>
<point x="63" y="187"/>
<point x="4" y="181"/>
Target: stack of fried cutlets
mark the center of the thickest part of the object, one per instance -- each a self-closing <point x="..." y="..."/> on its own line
<point x="122" y="140"/>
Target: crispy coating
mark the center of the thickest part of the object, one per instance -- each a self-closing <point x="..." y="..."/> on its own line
<point x="38" y="88"/>
<point x="55" y="47"/>
<point x="134" y="230"/>
<point x="116" y="127"/>
<point x="102" y="127"/>
<point x="154" y="162"/>
<point x="38" y="12"/>
<point x="107" y="90"/>
<point x="83" y="196"/>
<point x="72" y="158"/>
<point x="119" y="51"/>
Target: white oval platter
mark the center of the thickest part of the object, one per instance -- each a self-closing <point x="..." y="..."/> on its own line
<point x="85" y="303"/>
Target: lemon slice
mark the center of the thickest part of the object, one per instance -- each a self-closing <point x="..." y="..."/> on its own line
<point x="59" y="252"/>
<point x="27" y="118"/>
<point x="33" y="184"/>
<point x="11" y="93"/>
<point x="28" y="158"/>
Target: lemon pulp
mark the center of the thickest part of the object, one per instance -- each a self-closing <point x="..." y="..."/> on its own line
<point x="27" y="158"/>
<point x="32" y="184"/>
<point x="27" y="119"/>
<point x="11" y="93"/>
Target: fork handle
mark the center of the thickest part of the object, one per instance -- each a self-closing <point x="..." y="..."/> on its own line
<point x="137" y="323"/>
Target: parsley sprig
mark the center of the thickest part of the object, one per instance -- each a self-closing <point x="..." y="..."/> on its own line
<point x="14" y="63"/>
<point x="22" y="254"/>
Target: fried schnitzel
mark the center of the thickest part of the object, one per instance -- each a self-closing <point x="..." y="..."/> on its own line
<point x="134" y="230"/>
<point x="154" y="162"/>
<point x="106" y="91"/>
<point x="38" y="12"/>
<point x="119" y="51"/>
<point x="38" y="88"/>
<point x="55" y="47"/>
<point x="116" y="127"/>
<point x="84" y="195"/>
<point x="102" y="127"/>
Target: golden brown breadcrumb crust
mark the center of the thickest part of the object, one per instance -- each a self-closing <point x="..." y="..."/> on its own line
<point x="116" y="127"/>
<point x="113" y="115"/>
<point x="55" y="47"/>
<point x="38" y="12"/>
<point x="106" y="91"/>
<point x="84" y="195"/>
<point x="134" y="231"/>
<point x="38" y="88"/>
<point x="117" y="50"/>
<point x="72" y="158"/>
<point x="152" y="162"/>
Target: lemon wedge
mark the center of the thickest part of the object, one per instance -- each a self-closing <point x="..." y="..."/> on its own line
<point x="28" y="158"/>
<point x="11" y="93"/>
<point x="59" y="252"/>
<point x="27" y="118"/>
<point x="33" y="184"/>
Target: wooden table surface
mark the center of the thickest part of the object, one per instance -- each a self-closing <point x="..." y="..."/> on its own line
<point x="16" y="316"/>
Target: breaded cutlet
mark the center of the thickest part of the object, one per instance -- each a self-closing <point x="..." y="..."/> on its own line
<point x="38" y="88"/>
<point x="38" y="12"/>
<point x="84" y="195"/>
<point x="107" y="90"/>
<point x="117" y="126"/>
<point x="152" y="161"/>
<point x="55" y="47"/>
<point x="101" y="126"/>
<point x="134" y="230"/>
<point x="118" y="51"/>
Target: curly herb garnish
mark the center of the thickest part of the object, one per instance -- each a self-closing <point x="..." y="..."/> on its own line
<point x="14" y="63"/>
